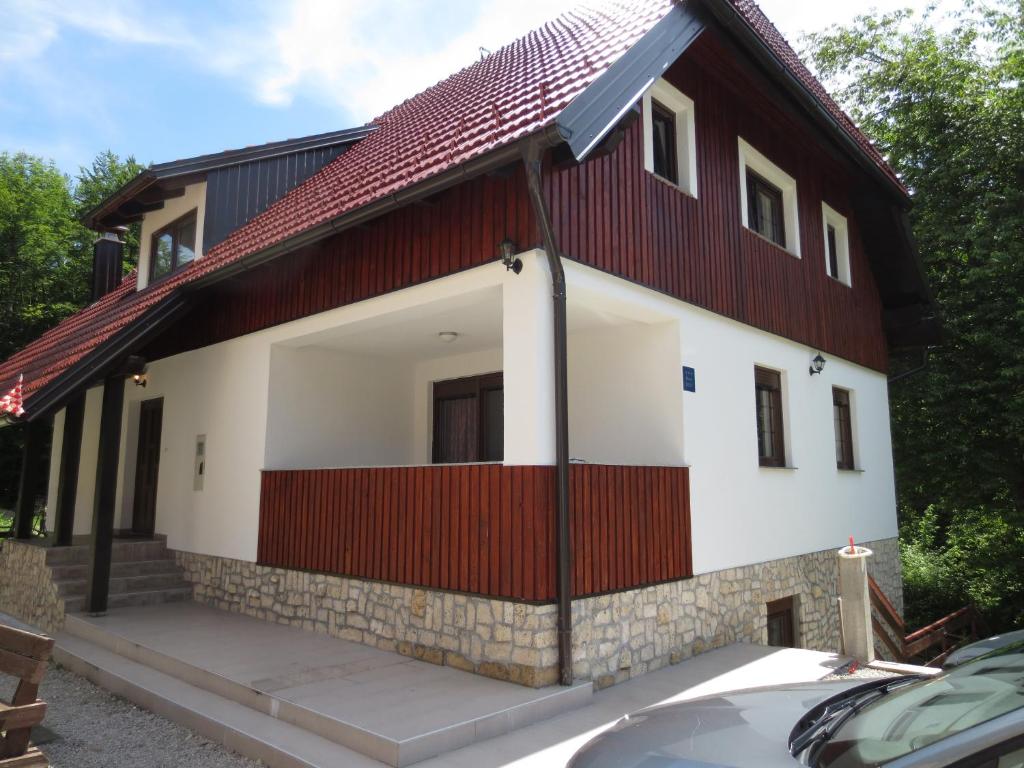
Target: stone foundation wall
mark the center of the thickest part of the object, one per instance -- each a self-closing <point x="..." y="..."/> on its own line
<point x="496" y="638"/>
<point x="615" y="636"/>
<point x="27" y="591"/>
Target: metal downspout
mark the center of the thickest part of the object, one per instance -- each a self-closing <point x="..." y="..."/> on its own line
<point x="532" y="157"/>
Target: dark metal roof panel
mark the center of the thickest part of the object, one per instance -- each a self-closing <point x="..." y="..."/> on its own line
<point x="259" y="152"/>
<point x="591" y="115"/>
<point x="203" y="164"/>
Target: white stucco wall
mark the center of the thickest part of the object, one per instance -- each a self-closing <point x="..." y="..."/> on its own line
<point x="626" y="383"/>
<point x="625" y="397"/>
<point x="174" y="208"/>
<point x="220" y="392"/>
<point x="742" y="513"/>
<point x="56" y="441"/>
<point x="329" y="409"/>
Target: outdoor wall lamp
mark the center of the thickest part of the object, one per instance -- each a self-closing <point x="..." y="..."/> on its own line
<point x="139" y="379"/>
<point x="507" y="250"/>
<point x="817" y="364"/>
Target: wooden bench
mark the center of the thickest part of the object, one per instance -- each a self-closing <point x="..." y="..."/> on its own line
<point x="22" y="655"/>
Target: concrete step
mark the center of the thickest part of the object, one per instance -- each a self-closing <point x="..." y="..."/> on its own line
<point x="117" y="570"/>
<point x="261" y="737"/>
<point x="387" y="749"/>
<point x="121" y="584"/>
<point x="129" y="599"/>
<point x="123" y="550"/>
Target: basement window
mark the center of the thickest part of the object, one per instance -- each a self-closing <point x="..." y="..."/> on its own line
<point x="669" y="149"/>
<point x="837" y="245"/>
<point x="768" y="199"/>
<point x="173" y="247"/>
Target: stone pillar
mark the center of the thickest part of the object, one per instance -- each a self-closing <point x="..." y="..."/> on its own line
<point x="858" y="635"/>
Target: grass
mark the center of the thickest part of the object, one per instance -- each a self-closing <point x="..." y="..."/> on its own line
<point x="7" y="523"/>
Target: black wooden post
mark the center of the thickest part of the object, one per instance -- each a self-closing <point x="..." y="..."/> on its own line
<point x="31" y="461"/>
<point x="108" y="455"/>
<point x="67" y="480"/>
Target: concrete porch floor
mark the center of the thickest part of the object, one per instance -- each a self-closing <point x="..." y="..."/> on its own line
<point x="384" y="705"/>
<point x="293" y="698"/>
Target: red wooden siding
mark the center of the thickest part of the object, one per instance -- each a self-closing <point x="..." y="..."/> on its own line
<point x="451" y="231"/>
<point x="611" y="214"/>
<point x="481" y="528"/>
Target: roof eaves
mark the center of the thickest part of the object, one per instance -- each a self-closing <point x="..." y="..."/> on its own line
<point x="209" y="162"/>
<point x="588" y="118"/>
<point x="727" y="15"/>
<point x="99" y="362"/>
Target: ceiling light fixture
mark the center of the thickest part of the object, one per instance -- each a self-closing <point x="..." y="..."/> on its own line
<point x="447" y="336"/>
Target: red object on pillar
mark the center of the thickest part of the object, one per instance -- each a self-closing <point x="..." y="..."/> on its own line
<point x="853" y="550"/>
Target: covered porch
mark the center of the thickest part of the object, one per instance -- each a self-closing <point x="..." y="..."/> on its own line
<point x="414" y="443"/>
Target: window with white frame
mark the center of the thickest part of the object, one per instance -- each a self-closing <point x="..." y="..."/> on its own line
<point x="837" y="244"/>
<point x="768" y="199"/>
<point x="670" y="151"/>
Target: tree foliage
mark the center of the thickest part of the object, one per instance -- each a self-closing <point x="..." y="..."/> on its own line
<point x="45" y="258"/>
<point x="100" y="180"/>
<point x="943" y="98"/>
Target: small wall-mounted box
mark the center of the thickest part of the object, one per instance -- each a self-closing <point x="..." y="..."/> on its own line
<point x="200" y="466"/>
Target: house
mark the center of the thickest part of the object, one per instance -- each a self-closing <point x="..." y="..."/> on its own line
<point x="572" y="365"/>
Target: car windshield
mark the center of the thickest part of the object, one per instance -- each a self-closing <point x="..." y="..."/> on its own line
<point x="920" y="714"/>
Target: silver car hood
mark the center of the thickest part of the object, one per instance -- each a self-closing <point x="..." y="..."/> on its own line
<point x="737" y="729"/>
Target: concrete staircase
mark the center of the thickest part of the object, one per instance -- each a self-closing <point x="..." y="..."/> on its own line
<point x="142" y="572"/>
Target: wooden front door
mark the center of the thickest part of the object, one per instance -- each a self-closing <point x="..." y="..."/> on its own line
<point x="469" y="419"/>
<point x="147" y="466"/>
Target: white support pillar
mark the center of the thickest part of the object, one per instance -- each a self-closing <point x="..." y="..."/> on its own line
<point x="858" y="635"/>
<point x="528" y="363"/>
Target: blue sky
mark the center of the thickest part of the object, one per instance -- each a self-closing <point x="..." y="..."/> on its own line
<point x="162" y="81"/>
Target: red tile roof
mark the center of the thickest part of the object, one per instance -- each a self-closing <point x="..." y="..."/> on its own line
<point x="510" y="94"/>
<point x="755" y="18"/>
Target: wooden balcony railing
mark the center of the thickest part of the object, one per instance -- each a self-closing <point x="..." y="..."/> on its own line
<point x="486" y="529"/>
<point x="945" y="635"/>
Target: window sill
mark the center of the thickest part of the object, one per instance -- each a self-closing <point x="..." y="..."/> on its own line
<point x="772" y="243"/>
<point x="837" y="280"/>
<point x="672" y="184"/>
<point x="785" y="468"/>
<point x="850" y="470"/>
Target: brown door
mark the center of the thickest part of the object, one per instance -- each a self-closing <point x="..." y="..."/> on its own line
<point x="147" y="466"/>
<point x="469" y="419"/>
<point x="780" y="623"/>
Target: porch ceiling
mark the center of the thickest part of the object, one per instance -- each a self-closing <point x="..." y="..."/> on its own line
<point x="412" y="333"/>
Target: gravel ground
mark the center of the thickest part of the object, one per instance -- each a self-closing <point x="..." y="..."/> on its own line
<point x="92" y="728"/>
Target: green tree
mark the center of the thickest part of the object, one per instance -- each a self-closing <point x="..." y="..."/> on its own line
<point x="100" y="180"/>
<point x="45" y="259"/>
<point x="944" y="101"/>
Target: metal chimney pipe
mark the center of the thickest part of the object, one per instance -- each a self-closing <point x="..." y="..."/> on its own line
<point x="107" y="254"/>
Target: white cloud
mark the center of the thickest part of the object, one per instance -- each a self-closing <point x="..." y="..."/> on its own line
<point x="30" y="26"/>
<point x="364" y="58"/>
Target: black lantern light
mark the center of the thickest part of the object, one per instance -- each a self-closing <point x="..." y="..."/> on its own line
<point x="817" y="364"/>
<point x="507" y="249"/>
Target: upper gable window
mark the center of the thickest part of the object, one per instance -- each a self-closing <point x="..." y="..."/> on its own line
<point x="669" y="149"/>
<point x="173" y="247"/>
<point x="768" y="199"/>
<point x="837" y="245"/>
